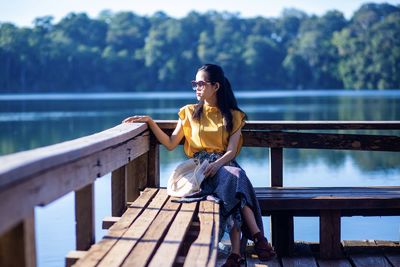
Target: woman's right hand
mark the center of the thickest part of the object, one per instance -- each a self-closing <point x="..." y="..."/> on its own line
<point x="133" y="119"/>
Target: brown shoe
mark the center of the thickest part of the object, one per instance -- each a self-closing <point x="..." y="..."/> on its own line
<point x="233" y="260"/>
<point x="263" y="249"/>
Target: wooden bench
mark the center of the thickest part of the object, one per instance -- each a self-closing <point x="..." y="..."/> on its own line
<point x="155" y="231"/>
<point x="329" y="203"/>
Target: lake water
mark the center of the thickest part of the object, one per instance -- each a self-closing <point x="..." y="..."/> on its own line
<point x="30" y="121"/>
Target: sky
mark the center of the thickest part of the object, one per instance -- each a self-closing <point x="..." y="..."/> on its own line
<point x="23" y="12"/>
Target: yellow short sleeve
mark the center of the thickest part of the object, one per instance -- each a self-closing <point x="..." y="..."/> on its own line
<point x="237" y="120"/>
<point x="182" y="113"/>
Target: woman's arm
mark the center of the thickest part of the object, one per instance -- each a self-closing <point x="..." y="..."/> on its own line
<point x="170" y="142"/>
<point x="229" y="155"/>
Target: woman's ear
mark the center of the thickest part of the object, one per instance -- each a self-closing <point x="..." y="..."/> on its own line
<point x="216" y="86"/>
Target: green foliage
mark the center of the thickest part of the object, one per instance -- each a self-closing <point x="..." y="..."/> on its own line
<point x="126" y="52"/>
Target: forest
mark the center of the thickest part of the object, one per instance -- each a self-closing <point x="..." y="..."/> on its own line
<point x="125" y="52"/>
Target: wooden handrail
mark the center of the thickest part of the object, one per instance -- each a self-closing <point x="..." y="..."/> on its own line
<point x="15" y="167"/>
<point x="272" y="134"/>
<point x="305" y="125"/>
<point x="40" y="176"/>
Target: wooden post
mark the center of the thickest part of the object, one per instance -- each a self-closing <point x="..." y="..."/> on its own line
<point x="153" y="179"/>
<point x="84" y="215"/>
<point x="329" y="234"/>
<point x="282" y="231"/>
<point x="136" y="177"/>
<point x="17" y="246"/>
<point x="118" y="202"/>
<point x="276" y="166"/>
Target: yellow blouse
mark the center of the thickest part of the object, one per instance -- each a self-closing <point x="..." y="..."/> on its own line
<point x="209" y="134"/>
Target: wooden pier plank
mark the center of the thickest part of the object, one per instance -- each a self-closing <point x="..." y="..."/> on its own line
<point x="99" y="250"/>
<point x="299" y="262"/>
<point x="214" y="250"/>
<point x="131" y="237"/>
<point x="168" y="250"/>
<point x="141" y="253"/>
<point x="365" y="253"/>
<point x="255" y="262"/>
<point x="334" y="263"/>
<point x="73" y="256"/>
<point x="109" y="221"/>
<point x="394" y="259"/>
<point x="360" y="260"/>
<point x="200" y="249"/>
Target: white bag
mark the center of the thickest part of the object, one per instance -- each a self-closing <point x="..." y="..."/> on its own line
<point x="186" y="178"/>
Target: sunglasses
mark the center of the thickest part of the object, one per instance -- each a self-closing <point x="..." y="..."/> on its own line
<point x="199" y="84"/>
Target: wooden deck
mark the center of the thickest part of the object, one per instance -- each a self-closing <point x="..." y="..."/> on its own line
<point x="367" y="253"/>
<point x="131" y="154"/>
<point x="155" y="231"/>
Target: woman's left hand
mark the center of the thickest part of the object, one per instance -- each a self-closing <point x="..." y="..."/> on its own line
<point x="137" y="119"/>
<point x="212" y="169"/>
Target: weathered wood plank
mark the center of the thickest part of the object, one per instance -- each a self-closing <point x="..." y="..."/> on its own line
<point x="329" y="234"/>
<point x="299" y="262"/>
<point x="214" y="250"/>
<point x="304" y="125"/>
<point x="18" y="166"/>
<point x="199" y="251"/>
<point x="255" y="262"/>
<point x="97" y="252"/>
<point x="168" y="250"/>
<point x="360" y="260"/>
<point x="17" y="246"/>
<point x="334" y="263"/>
<point x="388" y="246"/>
<point x="131" y="237"/>
<point x="328" y="191"/>
<point x="141" y="253"/>
<point x="73" y="256"/>
<point x="360" y="246"/>
<point x="280" y="198"/>
<point x="84" y="217"/>
<point x="42" y="189"/>
<point x="322" y="141"/>
<point x="394" y="259"/>
<point x="109" y="221"/>
<point x="118" y="198"/>
<point x="257" y="135"/>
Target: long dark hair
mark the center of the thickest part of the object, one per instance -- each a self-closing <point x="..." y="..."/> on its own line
<point x="226" y="100"/>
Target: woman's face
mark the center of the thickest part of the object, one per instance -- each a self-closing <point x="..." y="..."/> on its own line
<point x="207" y="92"/>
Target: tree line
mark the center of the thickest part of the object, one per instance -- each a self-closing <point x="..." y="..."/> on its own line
<point x="127" y="52"/>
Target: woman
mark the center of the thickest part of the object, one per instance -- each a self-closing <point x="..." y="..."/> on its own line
<point x="212" y="131"/>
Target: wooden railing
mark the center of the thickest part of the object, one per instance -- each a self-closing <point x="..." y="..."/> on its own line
<point x="40" y="176"/>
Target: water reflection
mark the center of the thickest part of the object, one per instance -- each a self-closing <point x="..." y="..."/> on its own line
<point x="29" y="121"/>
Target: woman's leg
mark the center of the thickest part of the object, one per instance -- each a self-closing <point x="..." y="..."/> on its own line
<point x="234" y="235"/>
<point x="263" y="249"/>
<point x="250" y="220"/>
